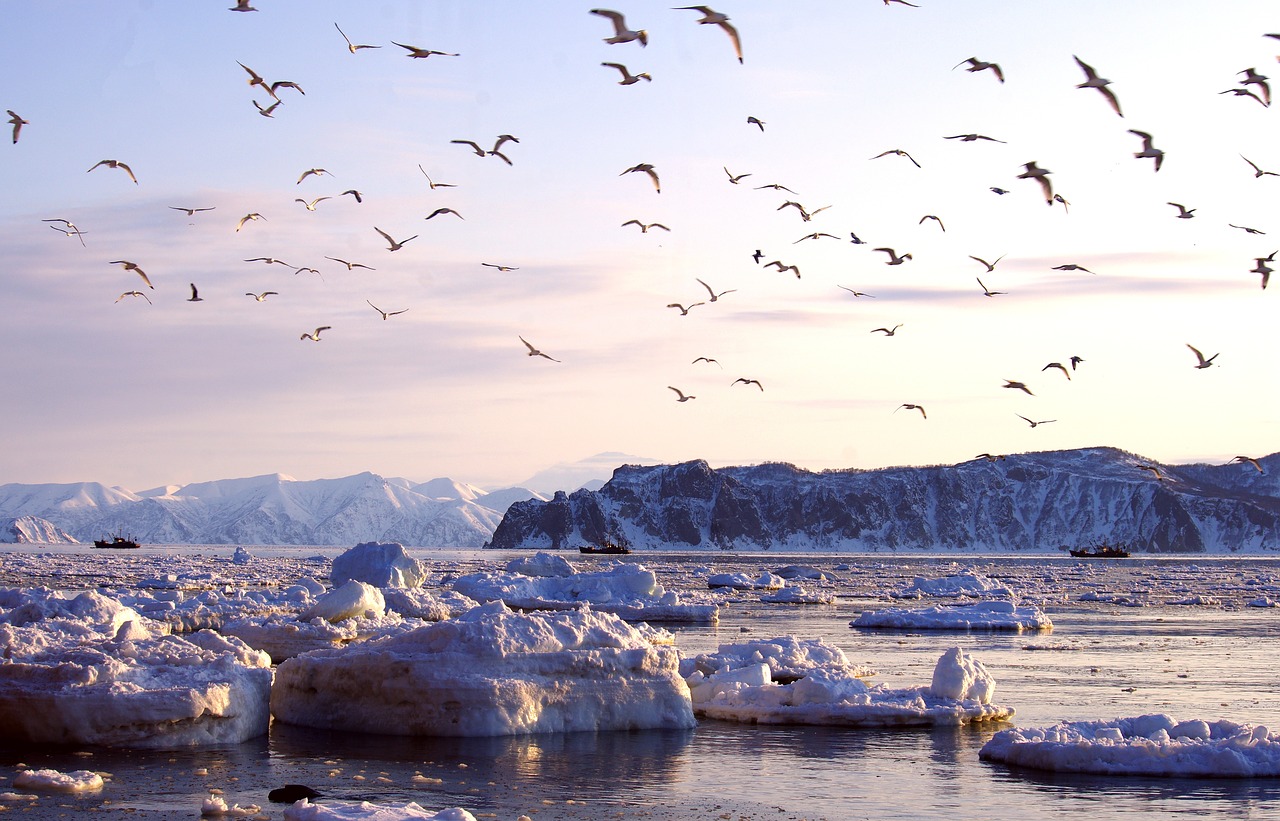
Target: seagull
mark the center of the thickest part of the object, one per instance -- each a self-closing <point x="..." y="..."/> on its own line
<point x="1264" y="269"/>
<point x="266" y="112"/>
<point x="358" y="195"/>
<point x="271" y="261"/>
<point x="684" y="311"/>
<point x="990" y="457"/>
<point x="815" y="235"/>
<point x="262" y="297"/>
<point x="1184" y="213"/>
<point x="855" y="293"/>
<point x="998" y="191"/>
<point x="627" y="77"/>
<point x="133" y="266"/>
<point x="17" y="123"/>
<point x="855" y="240"/>
<point x="1092" y="80"/>
<point x="351" y="47"/>
<point x="134" y="293"/>
<point x="909" y="406"/>
<point x="499" y="267"/>
<point x="935" y="219"/>
<point x="756" y="121"/>
<point x="804" y="214"/>
<point x="1009" y="383"/>
<point x="646" y="168"/>
<point x="392" y="244"/>
<point x="195" y="295"/>
<point x="116" y="164"/>
<point x="707" y="360"/>
<point x="385" y="314"/>
<point x="710" y="17"/>
<point x="714" y="295"/>
<point x="1041" y="175"/>
<point x="901" y="3"/>
<point x="968" y="138"/>
<point x="1060" y="367"/>
<point x="1258" y="172"/>
<point x="314" y="336"/>
<point x="757" y="256"/>
<point x="1155" y="471"/>
<point x="494" y="152"/>
<point x="1066" y="206"/>
<point x="776" y="187"/>
<point x="1148" y="150"/>
<point x="242" y="5"/>
<point x="888" y="331"/>
<point x="421" y="53"/>
<point x="990" y="266"/>
<point x="311" y="206"/>
<point x="680" y="397"/>
<point x="1246" y="229"/>
<point x="255" y="79"/>
<point x="534" y="351"/>
<point x="311" y="172"/>
<point x="900" y="153"/>
<point x="1076" y="360"/>
<point x="1071" y="266"/>
<point x="894" y="259"/>
<point x="1033" y="424"/>
<point x="1252" y="77"/>
<point x="440" y="211"/>
<point x="246" y="218"/>
<point x="978" y="65"/>
<point x="312" y="270"/>
<point x="746" y="381"/>
<point x="69" y="233"/>
<point x="1244" y="92"/>
<point x="286" y="84"/>
<point x="795" y="269"/>
<point x="70" y="230"/>
<point x="190" y="212"/>
<point x="644" y="227"/>
<point x="351" y="265"/>
<point x="987" y="291"/>
<point x="1201" y="362"/>
<point x="434" y="185"/>
<point x="735" y="178"/>
<point x="1243" y="460"/>
<point x="622" y="34"/>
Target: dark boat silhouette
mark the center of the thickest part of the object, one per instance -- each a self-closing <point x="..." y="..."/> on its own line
<point x="1102" y="551"/>
<point x="608" y="548"/>
<point x="117" y="543"/>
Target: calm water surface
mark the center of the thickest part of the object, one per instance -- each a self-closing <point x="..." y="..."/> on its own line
<point x="1104" y="658"/>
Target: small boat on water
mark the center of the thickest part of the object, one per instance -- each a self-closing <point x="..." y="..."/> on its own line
<point x="1102" y="551"/>
<point x="117" y="543"/>
<point x="608" y="548"/>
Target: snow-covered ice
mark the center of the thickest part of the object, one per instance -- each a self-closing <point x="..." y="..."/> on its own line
<point x="76" y="781"/>
<point x="745" y="581"/>
<point x="968" y="583"/>
<point x="379" y="565"/>
<point x="1152" y="745"/>
<point x="365" y="811"/>
<point x="986" y="615"/>
<point x="492" y="672"/>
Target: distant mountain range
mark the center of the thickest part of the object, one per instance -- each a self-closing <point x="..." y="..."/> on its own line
<point x="1034" y="501"/>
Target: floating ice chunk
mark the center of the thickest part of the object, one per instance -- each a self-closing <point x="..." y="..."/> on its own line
<point x="354" y="599"/>
<point x="491" y="672"/>
<point x="802" y="571"/>
<point x="1152" y="745"/>
<point x="970" y="584"/>
<point x="428" y="605"/>
<point x="962" y="677"/>
<point x="744" y="581"/>
<point x="242" y="556"/>
<point x="381" y="565"/>
<point x="794" y="594"/>
<point x="787" y="658"/>
<point x="541" y="564"/>
<point x="215" y="807"/>
<point x="364" y="811"/>
<point x="76" y="781"/>
<point x="1261" y="601"/>
<point x="988" y="615"/>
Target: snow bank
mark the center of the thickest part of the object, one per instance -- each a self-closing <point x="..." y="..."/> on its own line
<point x="990" y="615"/>
<point x="491" y="672"/>
<point x="364" y="811"/>
<point x="1144" y="745"/>
<point x="745" y="688"/>
<point x="381" y="565"/>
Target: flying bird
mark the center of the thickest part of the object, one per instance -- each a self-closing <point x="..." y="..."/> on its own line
<point x="351" y="265"/>
<point x="385" y="314"/>
<point x="909" y="406"/>
<point x="1092" y="80"/>
<point x="901" y="3"/>
<point x="314" y="336"/>
<point x="440" y="211"/>
<point x="680" y="397"/>
<point x="421" y="53"/>
<point x="899" y="152"/>
<point x="1033" y="424"/>
<point x="311" y="172"/>
<point x="268" y="111"/>
<point x="1252" y="77"/>
<point x="968" y="138"/>
<point x="855" y="293"/>
<point x="887" y="331"/>
<point x="286" y="84"/>
<point x="493" y="152"/>
<point x="270" y="261"/>
<point x="70" y="230"/>
<point x="935" y="219"/>
<point x="757" y="256"/>
<point x="1246" y="229"/>
<point x="534" y="351"/>
<point x="646" y="168"/>
<point x="499" y="267"/>
<point x="190" y="212"/>
<point x="735" y="178"/>
<point x="1184" y="213"/>
<point x="351" y="47"/>
<point x="255" y="79"/>
<point x="358" y="195"/>
<point x="746" y="381"/>
<point x="1246" y="460"/>
<point x="1244" y="92"/>
<point x="1155" y="471"/>
<point x="1148" y="150"/>
<point x="1066" y="206"/>
<point x="242" y="5"/>
<point x="998" y="191"/>
<point x="815" y="235"/>
<point x="894" y="259"/>
<point x="978" y="65"/>
<point x="133" y="266"/>
<point x="134" y="293"/>
<point x="247" y="218"/>
<point x="987" y="291"/>
<point x="1263" y="268"/>
<point x="756" y="121"/>
<point x="684" y="310"/>
<point x="195" y="295"/>
<point x="1018" y="386"/>
<point x="714" y="296"/>
<point x="1041" y="175"/>
<point x="1201" y="362"/>
<point x="707" y="360"/>
<point x="1071" y="266"/>
<point x="393" y="245"/>
<point x="116" y="164"/>
<point x="776" y="187"/>
<point x="1060" y="367"/>
<point x="262" y="297"/>
<point x="715" y="18"/>
<point x="17" y="123"/>
<point x="990" y="266"/>
<point x="1076" y="360"/>
<point x="622" y="34"/>
<point x="434" y="185"/>
<point x="645" y="226"/>
<point x="855" y="239"/>
<point x="627" y="77"/>
<point x="311" y="206"/>
<point x="1258" y="172"/>
<point x="795" y="269"/>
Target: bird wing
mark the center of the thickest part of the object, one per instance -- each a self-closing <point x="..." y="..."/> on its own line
<point x="619" y="22"/>
<point x="733" y="37"/>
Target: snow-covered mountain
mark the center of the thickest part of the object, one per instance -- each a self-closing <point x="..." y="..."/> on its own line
<point x="31" y="529"/>
<point x="271" y="509"/>
<point x="1034" y="501"/>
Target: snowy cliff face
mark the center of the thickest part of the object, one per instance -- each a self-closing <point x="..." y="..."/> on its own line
<point x="31" y="530"/>
<point x="265" y="510"/>
<point x="1038" y="501"/>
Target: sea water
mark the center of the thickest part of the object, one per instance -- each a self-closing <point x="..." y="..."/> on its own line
<point x="1131" y="636"/>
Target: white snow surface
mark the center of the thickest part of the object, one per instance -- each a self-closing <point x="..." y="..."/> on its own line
<point x="746" y="690"/>
<point x="304" y="810"/>
<point x="1150" y="745"/>
<point x="492" y="672"/>
<point x="380" y="565"/>
<point x="986" y="615"/>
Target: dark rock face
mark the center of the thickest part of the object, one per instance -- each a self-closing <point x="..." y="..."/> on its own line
<point x="1032" y="501"/>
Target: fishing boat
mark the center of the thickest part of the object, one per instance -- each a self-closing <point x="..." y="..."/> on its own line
<point x="117" y="543"/>
<point x="1102" y="551"/>
<point x="608" y="548"/>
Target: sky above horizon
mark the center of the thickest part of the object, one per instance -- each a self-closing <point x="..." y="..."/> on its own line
<point x="141" y="394"/>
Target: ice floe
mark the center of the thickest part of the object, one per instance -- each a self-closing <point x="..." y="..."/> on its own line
<point x="379" y="565"/>
<point x="364" y="811"/>
<point x="968" y="583"/>
<point x="76" y="781"/>
<point x="986" y="615"/>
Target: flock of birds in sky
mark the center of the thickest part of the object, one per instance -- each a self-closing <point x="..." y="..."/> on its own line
<point x="1253" y="87"/>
